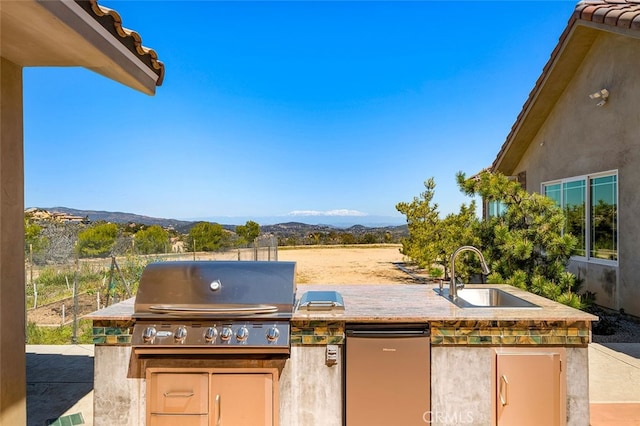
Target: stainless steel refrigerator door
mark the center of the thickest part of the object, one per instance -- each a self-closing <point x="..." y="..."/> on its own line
<point x="388" y="381"/>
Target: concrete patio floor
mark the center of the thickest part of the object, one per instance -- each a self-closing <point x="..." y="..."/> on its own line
<point x="614" y="384"/>
<point x="60" y="384"/>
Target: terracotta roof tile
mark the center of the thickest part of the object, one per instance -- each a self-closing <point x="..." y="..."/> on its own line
<point x="112" y="22"/>
<point x="613" y="13"/>
<point x="626" y="18"/>
<point x="610" y="12"/>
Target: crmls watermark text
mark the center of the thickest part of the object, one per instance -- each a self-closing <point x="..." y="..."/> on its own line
<point x="455" y="418"/>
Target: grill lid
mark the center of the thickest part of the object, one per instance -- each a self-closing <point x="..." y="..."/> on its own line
<point x="216" y="289"/>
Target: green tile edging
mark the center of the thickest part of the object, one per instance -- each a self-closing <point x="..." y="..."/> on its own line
<point x="466" y="332"/>
<point x="317" y="333"/>
<point x="70" y="420"/>
<point x="524" y="333"/>
<point x="112" y="332"/>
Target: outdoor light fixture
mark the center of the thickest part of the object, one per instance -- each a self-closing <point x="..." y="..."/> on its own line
<point x="603" y="95"/>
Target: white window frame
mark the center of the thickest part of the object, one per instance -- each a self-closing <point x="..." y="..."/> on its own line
<point x="587" y="178"/>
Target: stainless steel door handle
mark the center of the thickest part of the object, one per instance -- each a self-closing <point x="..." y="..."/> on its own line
<point x="504" y="398"/>
<point x="178" y="394"/>
<point x="218" y="410"/>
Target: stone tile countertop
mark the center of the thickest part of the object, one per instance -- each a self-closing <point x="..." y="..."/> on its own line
<point x="422" y="302"/>
<point x="401" y="303"/>
<point x="122" y="311"/>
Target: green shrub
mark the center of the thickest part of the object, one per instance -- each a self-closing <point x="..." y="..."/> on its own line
<point x="436" y="272"/>
<point x="50" y="276"/>
<point x="62" y="335"/>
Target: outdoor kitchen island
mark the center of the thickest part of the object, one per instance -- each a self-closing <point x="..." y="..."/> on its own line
<point x="477" y="355"/>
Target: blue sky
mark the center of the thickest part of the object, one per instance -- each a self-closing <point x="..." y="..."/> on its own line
<point x="271" y="109"/>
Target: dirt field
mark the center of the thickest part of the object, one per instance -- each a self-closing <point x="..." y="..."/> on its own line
<point x="51" y="314"/>
<point x="352" y="265"/>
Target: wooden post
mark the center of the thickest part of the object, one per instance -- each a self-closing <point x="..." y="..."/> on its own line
<point x="255" y="249"/>
<point x="13" y="361"/>
<point x="74" y="335"/>
<point x="110" y="286"/>
<point x="31" y="263"/>
<point x="124" y="281"/>
<point x="35" y="296"/>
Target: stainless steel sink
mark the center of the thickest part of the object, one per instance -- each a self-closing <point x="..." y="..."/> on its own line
<point x="488" y="298"/>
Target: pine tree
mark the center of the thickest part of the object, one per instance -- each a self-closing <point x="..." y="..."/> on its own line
<point x="432" y="240"/>
<point x="526" y="244"/>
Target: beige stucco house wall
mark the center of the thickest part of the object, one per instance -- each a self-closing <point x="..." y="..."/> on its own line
<point x="562" y="133"/>
<point x="46" y="33"/>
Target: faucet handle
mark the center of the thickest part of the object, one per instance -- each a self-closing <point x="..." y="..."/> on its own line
<point x="441" y="284"/>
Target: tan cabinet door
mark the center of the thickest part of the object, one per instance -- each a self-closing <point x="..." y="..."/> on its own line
<point x="166" y="420"/>
<point x="530" y="389"/>
<point x="178" y="393"/>
<point x="242" y="399"/>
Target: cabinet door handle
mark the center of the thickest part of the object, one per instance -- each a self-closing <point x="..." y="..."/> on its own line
<point x="504" y="395"/>
<point x="178" y="394"/>
<point x="218" y="409"/>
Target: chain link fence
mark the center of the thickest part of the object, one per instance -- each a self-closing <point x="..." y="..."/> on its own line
<point x="264" y="248"/>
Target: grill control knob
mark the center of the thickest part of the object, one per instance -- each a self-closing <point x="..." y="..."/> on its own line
<point x="210" y="335"/>
<point x="226" y="334"/>
<point x="242" y="334"/>
<point x="148" y="334"/>
<point x="180" y="334"/>
<point x="272" y="334"/>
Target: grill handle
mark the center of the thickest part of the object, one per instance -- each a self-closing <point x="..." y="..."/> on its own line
<point x="193" y="310"/>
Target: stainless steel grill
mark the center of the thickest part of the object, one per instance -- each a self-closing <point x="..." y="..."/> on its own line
<point x="214" y="307"/>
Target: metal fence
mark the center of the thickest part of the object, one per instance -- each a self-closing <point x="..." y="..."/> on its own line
<point x="264" y="248"/>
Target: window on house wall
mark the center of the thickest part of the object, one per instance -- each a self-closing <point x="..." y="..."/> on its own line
<point x="591" y="211"/>
<point x="574" y="199"/>
<point x="498" y="208"/>
<point x="570" y="196"/>
<point x="604" y="217"/>
<point x="495" y="209"/>
<point x="554" y="192"/>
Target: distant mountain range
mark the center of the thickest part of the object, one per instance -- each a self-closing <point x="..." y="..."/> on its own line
<point x="336" y="221"/>
<point x="184" y="225"/>
<point x="119" y="217"/>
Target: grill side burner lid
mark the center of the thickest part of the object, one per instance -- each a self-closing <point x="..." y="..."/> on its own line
<point x="216" y="288"/>
<point x="321" y="301"/>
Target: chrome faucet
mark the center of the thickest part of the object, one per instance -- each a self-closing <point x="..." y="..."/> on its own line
<point x="453" y="287"/>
